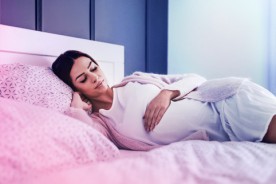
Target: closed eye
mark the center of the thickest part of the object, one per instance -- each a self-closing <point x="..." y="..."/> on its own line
<point x="93" y="69"/>
<point x="83" y="80"/>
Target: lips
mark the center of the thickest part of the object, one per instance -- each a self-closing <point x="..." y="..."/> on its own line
<point x="99" y="84"/>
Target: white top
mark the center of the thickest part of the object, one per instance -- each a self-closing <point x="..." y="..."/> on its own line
<point x="181" y="119"/>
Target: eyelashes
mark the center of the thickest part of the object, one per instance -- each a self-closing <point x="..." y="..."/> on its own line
<point x="93" y="69"/>
<point x="83" y="81"/>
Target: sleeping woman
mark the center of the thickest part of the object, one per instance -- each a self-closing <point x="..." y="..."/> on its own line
<point x="149" y="110"/>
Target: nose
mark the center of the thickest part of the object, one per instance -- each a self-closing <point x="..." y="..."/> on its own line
<point x="93" y="77"/>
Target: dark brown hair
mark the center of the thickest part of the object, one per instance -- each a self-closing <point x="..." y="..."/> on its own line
<point x="64" y="63"/>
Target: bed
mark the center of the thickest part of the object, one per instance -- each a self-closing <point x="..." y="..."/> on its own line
<point x="40" y="144"/>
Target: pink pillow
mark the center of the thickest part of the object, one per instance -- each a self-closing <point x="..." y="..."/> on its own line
<point x="35" y="139"/>
<point x="35" y="85"/>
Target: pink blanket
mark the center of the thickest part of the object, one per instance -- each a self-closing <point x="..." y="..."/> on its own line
<point x="40" y="146"/>
<point x="183" y="162"/>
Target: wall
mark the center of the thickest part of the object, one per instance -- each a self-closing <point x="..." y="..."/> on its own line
<point x="123" y="22"/>
<point x="157" y="36"/>
<point x="67" y="17"/>
<point x="272" y="47"/>
<point x="18" y="13"/>
<point x="218" y="38"/>
<point x="132" y="23"/>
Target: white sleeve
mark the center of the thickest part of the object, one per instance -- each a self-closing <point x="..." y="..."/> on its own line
<point x="184" y="83"/>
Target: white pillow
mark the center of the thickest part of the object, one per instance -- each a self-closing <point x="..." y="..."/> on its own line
<point x="35" y="85"/>
<point x="36" y="139"/>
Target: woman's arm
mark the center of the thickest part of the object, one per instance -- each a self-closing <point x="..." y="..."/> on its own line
<point x="177" y="87"/>
<point x="157" y="107"/>
<point x="184" y="83"/>
<point x="173" y="87"/>
<point x="78" y="111"/>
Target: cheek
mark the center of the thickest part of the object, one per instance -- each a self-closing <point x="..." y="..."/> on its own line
<point x="85" y="88"/>
<point x="79" y="87"/>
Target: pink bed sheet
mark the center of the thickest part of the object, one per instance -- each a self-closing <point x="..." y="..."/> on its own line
<point x="183" y="162"/>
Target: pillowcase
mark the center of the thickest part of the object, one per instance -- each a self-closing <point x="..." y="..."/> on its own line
<point x="36" y="139"/>
<point x="35" y="85"/>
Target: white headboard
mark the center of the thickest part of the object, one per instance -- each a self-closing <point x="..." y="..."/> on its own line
<point x="41" y="48"/>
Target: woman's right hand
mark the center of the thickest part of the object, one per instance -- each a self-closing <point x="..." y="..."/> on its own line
<point x="78" y="102"/>
<point x="157" y="108"/>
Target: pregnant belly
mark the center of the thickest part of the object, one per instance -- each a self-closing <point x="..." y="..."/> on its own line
<point x="180" y="120"/>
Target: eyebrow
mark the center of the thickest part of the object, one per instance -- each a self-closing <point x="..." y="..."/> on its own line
<point x="83" y="72"/>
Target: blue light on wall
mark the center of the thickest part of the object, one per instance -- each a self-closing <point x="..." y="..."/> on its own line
<point x="139" y="25"/>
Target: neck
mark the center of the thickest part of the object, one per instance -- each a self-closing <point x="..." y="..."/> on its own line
<point x="103" y="102"/>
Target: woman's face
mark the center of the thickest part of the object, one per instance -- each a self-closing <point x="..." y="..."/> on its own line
<point x="88" y="78"/>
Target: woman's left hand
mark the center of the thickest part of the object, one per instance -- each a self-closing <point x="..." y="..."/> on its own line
<point x="157" y="107"/>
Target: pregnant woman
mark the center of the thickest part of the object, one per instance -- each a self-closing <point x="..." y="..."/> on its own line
<point x="149" y="110"/>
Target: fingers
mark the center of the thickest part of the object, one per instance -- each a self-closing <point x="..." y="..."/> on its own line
<point x="149" y="118"/>
<point x="87" y="107"/>
<point x="159" y="117"/>
<point x="156" y="109"/>
<point x="153" y="117"/>
<point x="76" y="97"/>
<point x="76" y="94"/>
<point x="146" y="117"/>
<point x="79" y="101"/>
